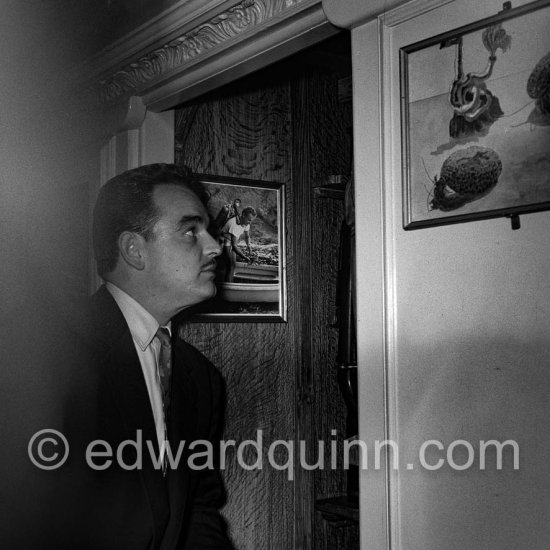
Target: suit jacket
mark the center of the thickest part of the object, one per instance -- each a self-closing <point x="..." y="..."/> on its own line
<point x="137" y="508"/>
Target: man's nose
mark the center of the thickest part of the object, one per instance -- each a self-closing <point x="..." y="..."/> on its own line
<point x="212" y="246"/>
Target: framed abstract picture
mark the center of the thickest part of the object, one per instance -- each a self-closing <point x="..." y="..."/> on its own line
<point x="475" y="114"/>
<point x="247" y="218"/>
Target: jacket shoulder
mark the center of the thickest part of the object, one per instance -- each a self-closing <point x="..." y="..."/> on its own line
<point x="197" y="361"/>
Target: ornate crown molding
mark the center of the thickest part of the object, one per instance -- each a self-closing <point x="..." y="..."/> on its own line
<point x="232" y="27"/>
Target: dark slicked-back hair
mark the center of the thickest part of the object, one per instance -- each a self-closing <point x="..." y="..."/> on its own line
<point x="125" y="203"/>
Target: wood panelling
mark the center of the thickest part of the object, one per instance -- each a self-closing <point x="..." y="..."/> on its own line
<point x="287" y="126"/>
<point x="323" y="143"/>
<point x="301" y="226"/>
<point x="245" y="132"/>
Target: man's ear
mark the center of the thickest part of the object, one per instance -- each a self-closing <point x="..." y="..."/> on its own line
<point x="130" y="248"/>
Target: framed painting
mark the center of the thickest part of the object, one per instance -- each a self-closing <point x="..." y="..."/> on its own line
<point x="247" y="217"/>
<point x="475" y="115"/>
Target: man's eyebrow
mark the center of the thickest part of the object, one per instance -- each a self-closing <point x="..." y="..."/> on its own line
<point x="186" y="220"/>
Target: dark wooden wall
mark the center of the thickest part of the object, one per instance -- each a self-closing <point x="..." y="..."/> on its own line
<point x="284" y="124"/>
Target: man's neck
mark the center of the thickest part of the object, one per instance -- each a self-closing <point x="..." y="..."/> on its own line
<point x="143" y="298"/>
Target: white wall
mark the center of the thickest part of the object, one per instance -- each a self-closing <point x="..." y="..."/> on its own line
<point x="454" y="340"/>
<point x="472" y="362"/>
<point x="48" y="156"/>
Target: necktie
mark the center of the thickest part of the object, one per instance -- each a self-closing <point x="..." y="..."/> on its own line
<point x="165" y="366"/>
<point x="165" y="372"/>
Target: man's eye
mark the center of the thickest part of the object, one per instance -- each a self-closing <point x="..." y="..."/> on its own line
<point x="190" y="232"/>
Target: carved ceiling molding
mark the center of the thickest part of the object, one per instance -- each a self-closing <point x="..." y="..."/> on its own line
<point x="234" y="25"/>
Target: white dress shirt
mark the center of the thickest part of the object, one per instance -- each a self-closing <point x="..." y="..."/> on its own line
<point x="143" y="327"/>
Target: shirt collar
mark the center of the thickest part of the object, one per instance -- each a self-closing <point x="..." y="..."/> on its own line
<point x="143" y="326"/>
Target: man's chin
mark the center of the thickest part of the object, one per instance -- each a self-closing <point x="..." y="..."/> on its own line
<point x="199" y="297"/>
<point x="214" y="291"/>
<point x="208" y="292"/>
<point x="199" y="294"/>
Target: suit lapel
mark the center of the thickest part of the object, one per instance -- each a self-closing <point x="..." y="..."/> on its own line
<point x="123" y="373"/>
<point x="181" y="428"/>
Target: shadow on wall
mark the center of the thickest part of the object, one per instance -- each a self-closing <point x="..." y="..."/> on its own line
<point x="48" y="151"/>
<point x="470" y="389"/>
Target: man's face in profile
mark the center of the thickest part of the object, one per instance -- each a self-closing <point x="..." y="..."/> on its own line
<point x="181" y="252"/>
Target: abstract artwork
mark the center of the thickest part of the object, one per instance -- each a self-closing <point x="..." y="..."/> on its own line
<point x="475" y="106"/>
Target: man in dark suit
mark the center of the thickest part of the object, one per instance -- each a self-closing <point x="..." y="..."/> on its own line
<point x="143" y="385"/>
